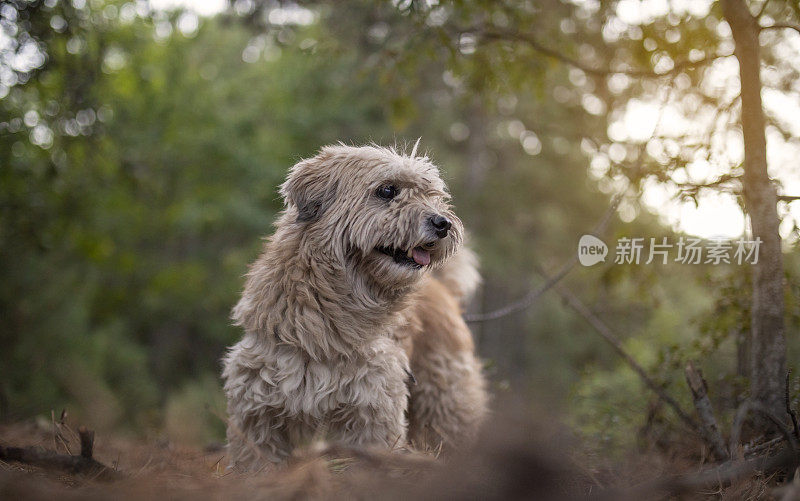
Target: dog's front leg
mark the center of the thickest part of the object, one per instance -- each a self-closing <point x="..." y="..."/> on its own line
<point x="256" y="441"/>
<point x="377" y="421"/>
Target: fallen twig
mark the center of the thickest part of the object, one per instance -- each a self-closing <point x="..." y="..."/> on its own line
<point x="87" y="442"/>
<point x="741" y="414"/>
<point x="83" y="464"/>
<point x="755" y="449"/>
<point x="702" y="404"/>
<point x="722" y="475"/>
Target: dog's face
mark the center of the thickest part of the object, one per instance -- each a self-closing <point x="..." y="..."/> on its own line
<point x="384" y="215"/>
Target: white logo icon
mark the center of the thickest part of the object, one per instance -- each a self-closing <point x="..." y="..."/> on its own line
<point x="591" y="250"/>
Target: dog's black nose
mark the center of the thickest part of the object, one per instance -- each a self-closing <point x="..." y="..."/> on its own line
<point x="441" y="225"/>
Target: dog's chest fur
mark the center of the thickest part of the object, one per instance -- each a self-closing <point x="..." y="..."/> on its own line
<point x="284" y="378"/>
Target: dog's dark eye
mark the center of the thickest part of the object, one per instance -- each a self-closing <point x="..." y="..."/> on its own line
<point x="387" y="191"/>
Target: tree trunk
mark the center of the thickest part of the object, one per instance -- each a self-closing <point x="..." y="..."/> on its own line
<point x="742" y="336"/>
<point x="477" y="149"/>
<point x="475" y="179"/>
<point x="767" y="341"/>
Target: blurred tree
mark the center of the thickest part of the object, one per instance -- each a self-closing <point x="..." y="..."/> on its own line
<point x="767" y="339"/>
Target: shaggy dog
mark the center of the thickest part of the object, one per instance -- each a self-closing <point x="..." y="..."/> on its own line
<point x="352" y="321"/>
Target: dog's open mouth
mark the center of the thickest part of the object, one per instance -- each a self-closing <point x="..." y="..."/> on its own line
<point x="416" y="258"/>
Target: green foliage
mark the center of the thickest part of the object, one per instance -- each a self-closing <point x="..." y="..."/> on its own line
<point x="125" y="235"/>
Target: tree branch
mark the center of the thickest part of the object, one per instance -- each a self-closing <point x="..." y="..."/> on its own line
<point x="530" y="40"/>
<point x="779" y="125"/>
<point x="780" y="26"/>
<point x="762" y="9"/>
<point x="720" y="184"/>
<point x="606" y="333"/>
<point x="531" y="297"/>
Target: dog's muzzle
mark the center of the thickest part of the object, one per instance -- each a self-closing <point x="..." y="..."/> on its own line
<point x="440" y="224"/>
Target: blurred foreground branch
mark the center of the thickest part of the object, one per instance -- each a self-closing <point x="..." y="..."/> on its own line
<point x="83" y="464"/>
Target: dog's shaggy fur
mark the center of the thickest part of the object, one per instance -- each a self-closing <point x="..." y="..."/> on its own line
<point x="350" y="334"/>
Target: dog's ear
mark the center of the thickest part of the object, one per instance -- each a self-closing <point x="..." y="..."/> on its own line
<point x="309" y="187"/>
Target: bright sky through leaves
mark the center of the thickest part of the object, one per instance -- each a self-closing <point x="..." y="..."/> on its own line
<point x="715" y="214"/>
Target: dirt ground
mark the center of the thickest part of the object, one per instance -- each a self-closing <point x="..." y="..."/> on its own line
<point x="514" y="461"/>
<point x="513" y="468"/>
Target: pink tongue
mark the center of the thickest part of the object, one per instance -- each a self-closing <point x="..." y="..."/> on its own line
<point x="421" y="257"/>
